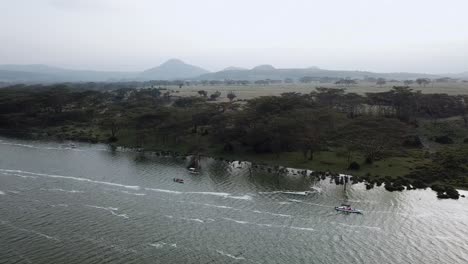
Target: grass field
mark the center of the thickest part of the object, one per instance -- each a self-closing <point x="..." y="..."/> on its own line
<point x="252" y="91"/>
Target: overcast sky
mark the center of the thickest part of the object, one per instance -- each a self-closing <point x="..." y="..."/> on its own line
<point x="379" y="35"/>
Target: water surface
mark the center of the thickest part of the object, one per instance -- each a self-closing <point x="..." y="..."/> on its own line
<point x="90" y="204"/>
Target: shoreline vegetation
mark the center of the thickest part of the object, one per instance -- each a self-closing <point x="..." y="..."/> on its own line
<point x="401" y="139"/>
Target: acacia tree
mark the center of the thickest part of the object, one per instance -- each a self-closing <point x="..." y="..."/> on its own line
<point x="309" y="131"/>
<point x="372" y="136"/>
<point x="215" y="95"/>
<point x="113" y="124"/>
<point x="231" y="96"/>
<point x="423" y="81"/>
<point x="462" y="107"/>
<point x="381" y="81"/>
<point x="203" y="93"/>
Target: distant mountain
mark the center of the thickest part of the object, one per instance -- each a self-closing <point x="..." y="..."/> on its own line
<point x="265" y="67"/>
<point x="38" y="73"/>
<point x="172" y="69"/>
<point x="177" y="69"/>
<point x="462" y="75"/>
<point x="233" y="68"/>
<point x="262" y="72"/>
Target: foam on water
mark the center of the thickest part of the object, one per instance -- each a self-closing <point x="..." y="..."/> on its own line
<point x="2" y="193"/>
<point x="193" y="220"/>
<point x="243" y="197"/>
<point x="213" y="205"/>
<point x="110" y="209"/>
<point x="19" y="175"/>
<point x="275" y="214"/>
<point x="302" y="228"/>
<point x="229" y="255"/>
<point x="62" y="190"/>
<point x="6" y="223"/>
<point x="236" y="221"/>
<point x="286" y="192"/>
<point x="163" y="190"/>
<point x="133" y="193"/>
<point x="71" y="178"/>
<point x="359" y="226"/>
<point x="35" y="147"/>
<point x="162" y="244"/>
<point x="219" y="194"/>
<point x="222" y="194"/>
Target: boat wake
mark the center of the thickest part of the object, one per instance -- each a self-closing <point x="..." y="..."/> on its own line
<point x="28" y="173"/>
<point x="110" y="209"/>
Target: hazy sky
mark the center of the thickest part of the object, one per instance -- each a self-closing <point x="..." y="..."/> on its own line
<point x="378" y="35"/>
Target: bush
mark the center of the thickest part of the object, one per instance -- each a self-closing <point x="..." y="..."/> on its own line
<point x="445" y="191"/>
<point x="418" y="184"/>
<point x="443" y="140"/>
<point x="354" y="166"/>
<point x="412" y="142"/>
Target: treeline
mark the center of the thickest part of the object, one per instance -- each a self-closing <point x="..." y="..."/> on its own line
<point x="373" y="126"/>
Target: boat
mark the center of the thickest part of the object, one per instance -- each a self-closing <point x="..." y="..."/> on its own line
<point x="347" y="209"/>
<point x="193" y="170"/>
<point x="178" y="180"/>
<point x="194" y="166"/>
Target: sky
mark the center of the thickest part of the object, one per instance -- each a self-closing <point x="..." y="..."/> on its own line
<point x="428" y="36"/>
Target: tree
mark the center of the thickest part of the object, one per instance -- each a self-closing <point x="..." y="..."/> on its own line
<point x="215" y="95"/>
<point x="381" y="81"/>
<point x="462" y="107"/>
<point x="372" y="136"/>
<point x="423" y="81"/>
<point x="231" y="96"/>
<point x="351" y="104"/>
<point x="114" y="125"/>
<point x="408" y="82"/>
<point x="203" y="93"/>
<point x="346" y="82"/>
<point x="329" y="97"/>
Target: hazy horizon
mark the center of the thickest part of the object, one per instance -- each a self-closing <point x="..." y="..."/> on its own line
<point x="118" y="35"/>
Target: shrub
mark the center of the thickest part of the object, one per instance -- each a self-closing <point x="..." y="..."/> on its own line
<point x="418" y="184"/>
<point x="354" y="166"/>
<point x="443" y="140"/>
<point x="412" y="142"/>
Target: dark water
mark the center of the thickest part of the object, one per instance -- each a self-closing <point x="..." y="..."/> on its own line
<point x="92" y="205"/>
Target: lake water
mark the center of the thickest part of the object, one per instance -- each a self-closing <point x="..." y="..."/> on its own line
<point x="92" y="205"/>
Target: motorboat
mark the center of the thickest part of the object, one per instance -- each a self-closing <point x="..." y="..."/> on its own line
<point x="193" y="170"/>
<point x="347" y="209"/>
<point x="178" y="180"/>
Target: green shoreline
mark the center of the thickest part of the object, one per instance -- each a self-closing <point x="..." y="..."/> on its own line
<point x="284" y="160"/>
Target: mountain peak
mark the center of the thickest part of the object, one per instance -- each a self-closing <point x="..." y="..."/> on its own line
<point x="264" y="67"/>
<point x="233" y="68"/>
<point x="172" y="69"/>
<point x="173" y="62"/>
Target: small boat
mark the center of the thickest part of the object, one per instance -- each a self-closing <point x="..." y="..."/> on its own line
<point x="347" y="209"/>
<point x="194" y="166"/>
<point x="193" y="170"/>
<point x="178" y="180"/>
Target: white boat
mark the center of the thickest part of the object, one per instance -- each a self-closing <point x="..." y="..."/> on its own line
<point x="347" y="209"/>
<point x="193" y="170"/>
